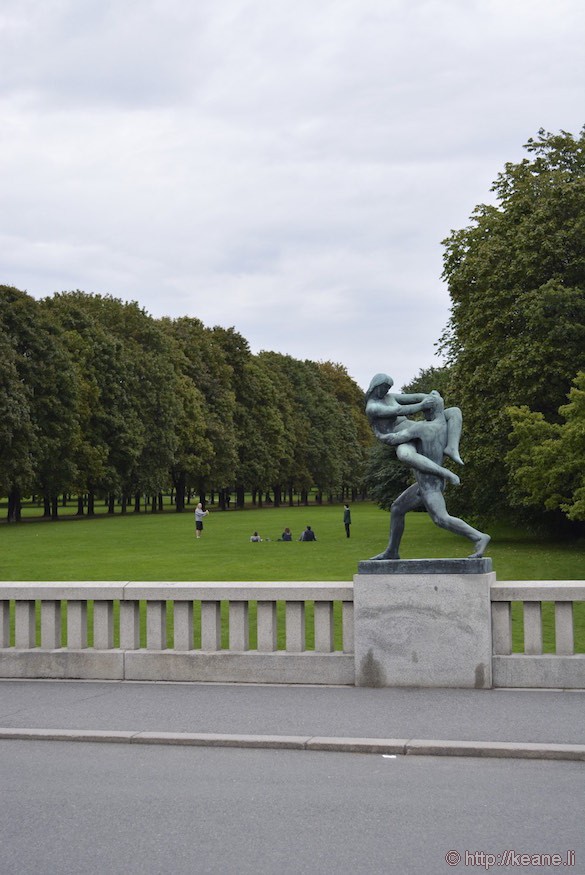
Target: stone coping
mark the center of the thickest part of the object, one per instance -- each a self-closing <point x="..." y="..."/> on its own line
<point x="425" y="566"/>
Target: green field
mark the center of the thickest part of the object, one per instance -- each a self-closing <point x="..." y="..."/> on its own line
<point x="163" y="547"/>
<point x="152" y="547"/>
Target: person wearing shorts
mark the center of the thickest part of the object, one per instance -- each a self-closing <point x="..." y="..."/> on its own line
<point x="199" y="514"/>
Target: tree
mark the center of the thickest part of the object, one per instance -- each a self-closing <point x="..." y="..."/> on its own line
<point x="204" y="364"/>
<point x="111" y="432"/>
<point x="516" y="335"/>
<point x="431" y="378"/>
<point x="17" y="431"/>
<point x="50" y="416"/>
<point x="354" y="434"/>
<point x="546" y="462"/>
<point x="136" y="398"/>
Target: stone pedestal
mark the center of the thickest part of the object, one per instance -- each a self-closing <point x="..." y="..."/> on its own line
<point x="423" y="623"/>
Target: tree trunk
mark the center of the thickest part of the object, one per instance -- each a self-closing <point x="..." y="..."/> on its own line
<point x="14" y="506"/>
<point x="91" y="503"/>
<point x="80" y="505"/>
<point x="180" y="484"/>
<point x="124" y="503"/>
<point x="240" y="497"/>
<point x="277" y="494"/>
<point x="160" y="502"/>
<point x="111" y="503"/>
<point x="55" y="507"/>
<point x="137" y="498"/>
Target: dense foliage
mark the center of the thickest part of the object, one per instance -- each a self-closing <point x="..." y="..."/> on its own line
<point x="516" y="336"/>
<point x="99" y="399"/>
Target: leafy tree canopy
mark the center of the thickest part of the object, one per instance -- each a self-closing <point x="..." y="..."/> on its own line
<point x="516" y="336"/>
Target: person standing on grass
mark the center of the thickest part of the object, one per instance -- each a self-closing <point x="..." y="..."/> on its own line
<point x="346" y="518"/>
<point x="199" y="514"/>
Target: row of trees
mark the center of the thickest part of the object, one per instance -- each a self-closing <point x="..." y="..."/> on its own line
<point x="99" y="399"/>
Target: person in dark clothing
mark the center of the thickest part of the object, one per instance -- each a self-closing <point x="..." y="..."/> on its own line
<point x="346" y="518"/>
<point x="308" y="535"/>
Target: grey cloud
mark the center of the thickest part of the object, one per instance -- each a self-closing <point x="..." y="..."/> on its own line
<point x="286" y="167"/>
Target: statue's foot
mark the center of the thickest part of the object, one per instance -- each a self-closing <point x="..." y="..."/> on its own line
<point x="480" y="546"/>
<point x="450" y="477"/>
<point x="453" y="453"/>
<point x="385" y="555"/>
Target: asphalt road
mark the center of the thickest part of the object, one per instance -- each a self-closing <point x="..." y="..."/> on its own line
<point x="491" y="715"/>
<point x="72" y="808"/>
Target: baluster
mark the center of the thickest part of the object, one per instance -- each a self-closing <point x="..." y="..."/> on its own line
<point x="51" y="624"/>
<point x="4" y="623"/>
<point x="239" y="626"/>
<point x="25" y="625"/>
<point x="324" y="626"/>
<point x="103" y="625"/>
<point x="156" y="625"/>
<point x="347" y="624"/>
<point x="76" y="625"/>
<point x="267" y="638"/>
<point x="564" y="628"/>
<point x="210" y="626"/>
<point x="129" y="625"/>
<point x="295" y="627"/>
<point x="183" y="626"/>
<point x="502" y="628"/>
<point x="532" y="628"/>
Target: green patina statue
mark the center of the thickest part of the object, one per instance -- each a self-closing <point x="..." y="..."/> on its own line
<point x="420" y="444"/>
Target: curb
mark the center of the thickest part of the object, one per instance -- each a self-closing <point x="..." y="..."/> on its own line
<point x="388" y="746"/>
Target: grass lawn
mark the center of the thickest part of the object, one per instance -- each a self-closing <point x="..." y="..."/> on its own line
<point x="163" y="547"/>
<point x="152" y="547"/>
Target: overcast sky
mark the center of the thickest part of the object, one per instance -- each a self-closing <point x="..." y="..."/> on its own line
<point x="288" y="167"/>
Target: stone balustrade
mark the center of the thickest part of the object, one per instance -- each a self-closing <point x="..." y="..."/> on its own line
<point x="292" y="632"/>
<point x="145" y="631"/>
<point x="533" y="668"/>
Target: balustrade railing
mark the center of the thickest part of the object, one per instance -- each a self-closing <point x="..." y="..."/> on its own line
<point x="542" y="610"/>
<point x="285" y="632"/>
<point x="290" y="632"/>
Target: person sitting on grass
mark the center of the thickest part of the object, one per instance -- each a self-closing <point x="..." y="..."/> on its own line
<point x="308" y="535"/>
<point x="255" y="537"/>
<point x="286" y="535"/>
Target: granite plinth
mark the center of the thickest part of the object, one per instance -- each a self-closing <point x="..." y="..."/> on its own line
<point x="425" y="566"/>
<point x="423" y="629"/>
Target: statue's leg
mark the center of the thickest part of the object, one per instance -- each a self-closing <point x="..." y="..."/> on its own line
<point x="454" y="426"/>
<point x="407" y="500"/>
<point x="435" y="504"/>
<point x="408" y="455"/>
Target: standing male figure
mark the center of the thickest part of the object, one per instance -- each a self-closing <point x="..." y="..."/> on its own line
<point x="199" y="514"/>
<point x="346" y="518"/>
<point x="430" y="436"/>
